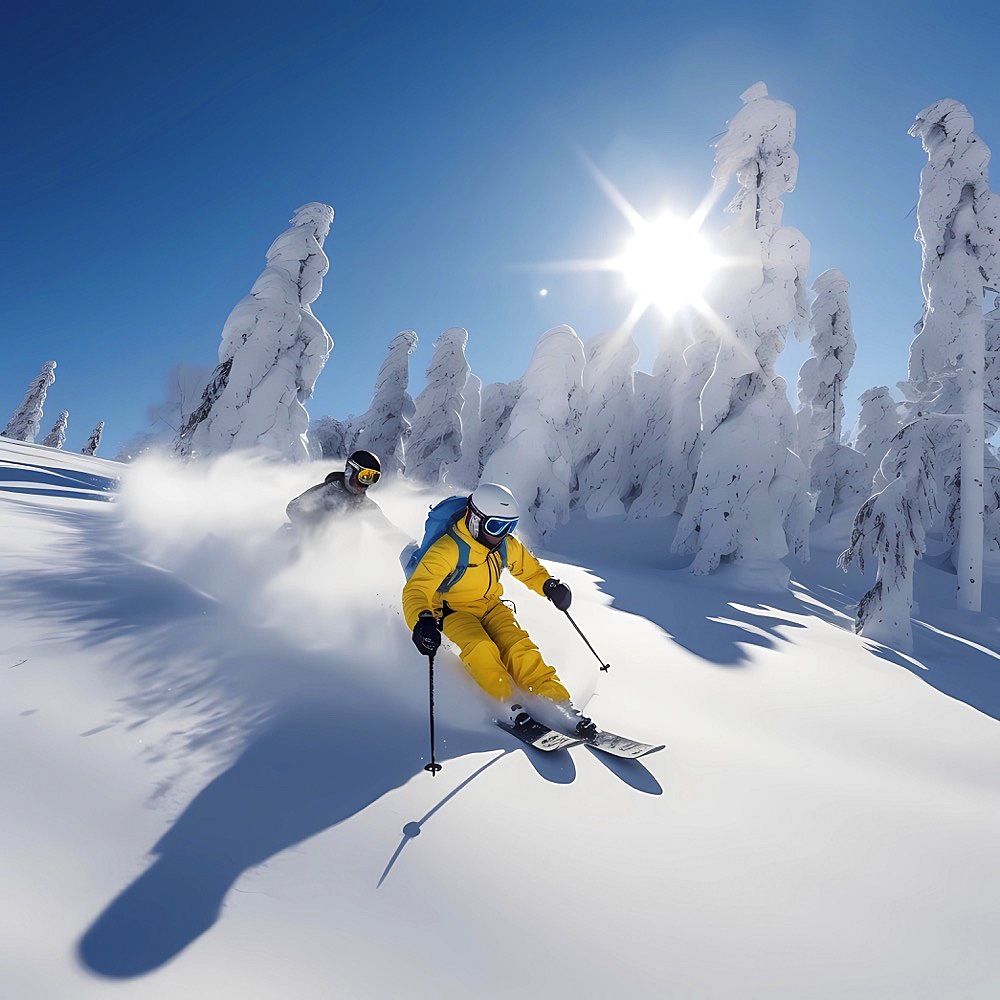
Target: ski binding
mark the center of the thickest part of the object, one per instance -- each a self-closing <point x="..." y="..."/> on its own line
<point x="541" y="737"/>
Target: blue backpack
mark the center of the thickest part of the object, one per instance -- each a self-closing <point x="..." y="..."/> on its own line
<point x="441" y="520"/>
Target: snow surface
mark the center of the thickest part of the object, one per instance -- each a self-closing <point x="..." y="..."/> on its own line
<point x="213" y="780"/>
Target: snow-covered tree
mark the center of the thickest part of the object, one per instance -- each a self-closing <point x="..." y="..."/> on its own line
<point x="536" y="461"/>
<point x="56" y="438"/>
<point x="385" y="427"/>
<point x="184" y="387"/>
<point x="272" y="352"/>
<point x="334" y="438"/>
<point x="991" y="461"/>
<point x="680" y="464"/>
<point x="651" y="427"/>
<point x="498" y="399"/>
<point x="750" y="499"/>
<point x="958" y="226"/>
<point x="185" y="384"/>
<point x="838" y="476"/>
<point x="436" y="433"/>
<point x="668" y="419"/>
<point x="604" y="469"/>
<point x="26" y="420"/>
<point x="465" y="472"/>
<point x="878" y="424"/>
<point x="837" y="473"/>
<point x="891" y="528"/>
<point x="94" y="441"/>
<point x="991" y="371"/>
<point x="822" y="377"/>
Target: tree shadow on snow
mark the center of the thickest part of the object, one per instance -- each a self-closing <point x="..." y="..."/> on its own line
<point x="955" y="652"/>
<point x="708" y="619"/>
<point x="708" y="616"/>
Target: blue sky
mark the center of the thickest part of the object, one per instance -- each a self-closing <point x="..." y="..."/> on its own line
<point x="152" y="153"/>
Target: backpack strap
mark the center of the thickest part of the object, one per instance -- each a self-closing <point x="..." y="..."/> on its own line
<point x="463" y="561"/>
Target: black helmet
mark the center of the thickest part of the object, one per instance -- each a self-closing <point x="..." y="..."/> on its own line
<point x="363" y="469"/>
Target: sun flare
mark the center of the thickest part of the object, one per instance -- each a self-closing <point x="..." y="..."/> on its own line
<point x="667" y="263"/>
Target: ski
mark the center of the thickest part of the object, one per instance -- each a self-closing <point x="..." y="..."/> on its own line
<point x="532" y="732"/>
<point x="542" y="737"/>
<point x="621" y="746"/>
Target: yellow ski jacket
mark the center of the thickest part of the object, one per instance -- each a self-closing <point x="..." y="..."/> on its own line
<point x="479" y="589"/>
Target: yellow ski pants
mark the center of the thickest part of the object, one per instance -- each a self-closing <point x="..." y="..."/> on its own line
<point x="498" y="654"/>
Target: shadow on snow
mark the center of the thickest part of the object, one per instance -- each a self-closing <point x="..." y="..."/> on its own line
<point x="296" y="733"/>
<point x="956" y="653"/>
<point x="303" y="774"/>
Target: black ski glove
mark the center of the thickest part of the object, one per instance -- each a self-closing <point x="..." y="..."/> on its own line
<point x="558" y="593"/>
<point x="426" y="634"/>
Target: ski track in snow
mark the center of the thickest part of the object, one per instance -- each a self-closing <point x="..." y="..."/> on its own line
<point x="214" y="781"/>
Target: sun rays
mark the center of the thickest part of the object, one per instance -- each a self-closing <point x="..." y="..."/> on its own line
<point x="666" y="265"/>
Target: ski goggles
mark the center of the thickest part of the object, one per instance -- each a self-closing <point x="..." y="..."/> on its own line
<point x="367" y="477"/>
<point x="497" y="527"/>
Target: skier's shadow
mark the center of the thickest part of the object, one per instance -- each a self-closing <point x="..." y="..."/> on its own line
<point x="558" y="768"/>
<point x="302" y="775"/>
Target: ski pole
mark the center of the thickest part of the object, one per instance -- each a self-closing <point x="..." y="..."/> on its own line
<point x="433" y="766"/>
<point x="604" y="666"/>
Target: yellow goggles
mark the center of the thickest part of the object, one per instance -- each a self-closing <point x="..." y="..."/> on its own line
<point x="367" y="477"/>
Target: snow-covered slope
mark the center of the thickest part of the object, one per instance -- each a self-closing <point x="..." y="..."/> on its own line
<point x="213" y="753"/>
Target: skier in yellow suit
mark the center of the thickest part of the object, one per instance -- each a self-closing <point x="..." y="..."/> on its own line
<point x="496" y="651"/>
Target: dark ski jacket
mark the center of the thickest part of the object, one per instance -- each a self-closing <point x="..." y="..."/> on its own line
<point x="312" y="508"/>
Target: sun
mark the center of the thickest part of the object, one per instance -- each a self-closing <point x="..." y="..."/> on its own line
<point x="667" y="263"/>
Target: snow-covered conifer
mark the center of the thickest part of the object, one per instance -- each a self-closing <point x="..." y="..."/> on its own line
<point x="822" y="377"/>
<point x="878" y="424"/>
<point x="465" y="472"/>
<point x="890" y="528"/>
<point x="272" y="352"/>
<point x="750" y="499"/>
<point x="536" y="461"/>
<point x="958" y="226"/>
<point x="385" y="427"/>
<point x="333" y="437"/>
<point x="991" y="462"/>
<point x="837" y="473"/>
<point x="436" y="433"/>
<point x="603" y="465"/>
<point x="838" y="476"/>
<point x="27" y="418"/>
<point x="653" y="416"/>
<point x="668" y="408"/>
<point x="56" y="438"/>
<point x="94" y="441"/>
<point x="498" y="399"/>
<point x="991" y="371"/>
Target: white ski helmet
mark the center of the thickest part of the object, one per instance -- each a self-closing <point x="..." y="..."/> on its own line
<point x="493" y="513"/>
